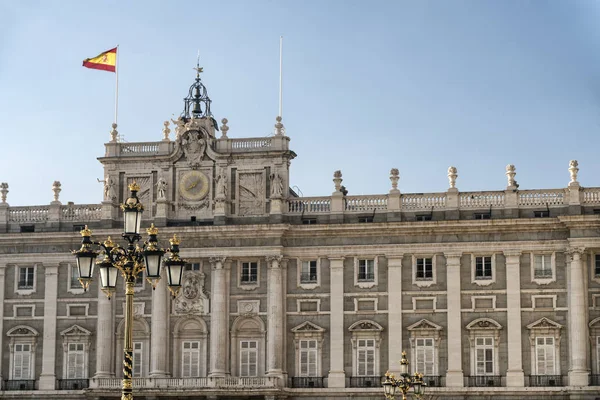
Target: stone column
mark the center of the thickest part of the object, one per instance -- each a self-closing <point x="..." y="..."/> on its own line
<point x="105" y="336"/>
<point x="274" y="317"/>
<point x="578" y="316"/>
<point x="2" y="276"/>
<point x="454" y="375"/>
<point x="48" y="375"/>
<point x="394" y="279"/>
<point x="160" y="331"/>
<point x="219" y="318"/>
<point x="514" y="374"/>
<point x="337" y="376"/>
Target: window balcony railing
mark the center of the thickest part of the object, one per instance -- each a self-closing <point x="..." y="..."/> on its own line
<point x="421" y="277"/>
<point x="72" y="384"/>
<point x="545" y="380"/>
<point x="484" y="381"/>
<point x="434" y="381"/>
<point x="366" y="381"/>
<point x="594" y="380"/>
<point x="306" y="382"/>
<point x="306" y="277"/>
<point x="366" y="276"/>
<point x="19" y="384"/>
<point x="542" y="273"/>
<point x="248" y="279"/>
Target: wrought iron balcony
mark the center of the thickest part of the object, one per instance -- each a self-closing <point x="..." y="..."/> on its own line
<point x="19" y="384"/>
<point x="484" y="381"/>
<point x="72" y="384"/>
<point x="306" y="277"/>
<point x="306" y="382"/>
<point x="366" y="276"/>
<point x="366" y="381"/>
<point x="542" y="273"/>
<point x="545" y="380"/>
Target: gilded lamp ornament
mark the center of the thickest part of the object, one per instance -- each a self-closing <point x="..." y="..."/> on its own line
<point x="130" y="261"/>
<point x="404" y="382"/>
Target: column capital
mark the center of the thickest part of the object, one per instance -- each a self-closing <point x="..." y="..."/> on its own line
<point x="217" y="262"/>
<point x="453" y="257"/>
<point x="51" y="269"/>
<point x="274" y="261"/>
<point x="575" y="252"/>
<point x="394" y="259"/>
<point x="336" y="258"/>
<point x="512" y="254"/>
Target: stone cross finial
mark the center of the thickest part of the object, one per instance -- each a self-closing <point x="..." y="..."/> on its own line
<point x="56" y="189"/>
<point x="3" y="191"/>
<point x="510" y="173"/>
<point x="452" y="175"/>
<point x="114" y="133"/>
<point x="573" y="170"/>
<point x="337" y="180"/>
<point x="166" y="131"/>
<point x="394" y="177"/>
<point x="279" y="128"/>
<point x="224" y="128"/>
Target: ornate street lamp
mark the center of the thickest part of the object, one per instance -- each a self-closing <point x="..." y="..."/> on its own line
<point x="130" y="261"/>
<point x="403" y="383"/>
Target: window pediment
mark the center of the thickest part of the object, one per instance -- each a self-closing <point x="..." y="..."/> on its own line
<point x="544" y="323"/>
<point x="595" y="323"/>
<point x="484" y="323"/>
<point x="22" y="330"/>
<point x="308" y="327"/>
<point x="365" y="326"/>
<point x="424" y="325"/>
<point x="76" y="330"/>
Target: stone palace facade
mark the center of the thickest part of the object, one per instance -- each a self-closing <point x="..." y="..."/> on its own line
<point x="492" y="294"/>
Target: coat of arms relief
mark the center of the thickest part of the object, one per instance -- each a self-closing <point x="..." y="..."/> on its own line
<point x="192" y="299"/>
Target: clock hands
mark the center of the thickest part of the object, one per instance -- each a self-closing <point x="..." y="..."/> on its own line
<point x="193" y="185"/>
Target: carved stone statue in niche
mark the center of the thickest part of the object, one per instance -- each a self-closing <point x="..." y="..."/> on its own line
<point x="192" y="299"/>
<point x="161" y="188"/>
<point x="193" y="144"/>
<point x="221" y="181"/>
<point x="109" y="189"/>
<point x="276" y="186"/>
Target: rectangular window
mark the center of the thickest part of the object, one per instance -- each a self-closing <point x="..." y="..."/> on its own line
<point x="542" y="267"/>
<point x="137" y="359"/>
<point x="22" y="362"/>
<point x="308" y="358"/>
<point x="544" y="355"/>
<point x="541" y="214"/>
<point x="483" y="216"/>
<point x="483" y="267"/>
<point x="597" y="265"/>
<point x="249" y="272"/>
<point x="190" y="359"/>
<point x="75" y="361"/>
<point x="484" y="356"/>
<point x="365" y="354"/>
<point x="192" y="267"/>
<point x="424" y="351"/>
<point x="309" y="221"/>
<point x="248" y="358"/>
<point x="423" y="217"/>
<point x="26" y="277"/>
<point x="75" y="278"/>
<point x="424" y="270"/>
<point x="365" y="220"/>
<point x="308" y="273"/>
<point x="366" y="270"/>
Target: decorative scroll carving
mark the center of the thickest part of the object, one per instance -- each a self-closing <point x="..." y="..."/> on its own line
<point x="192" y="299"/>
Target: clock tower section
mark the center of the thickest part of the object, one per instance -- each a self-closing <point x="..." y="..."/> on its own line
<point x="201" y="176"/>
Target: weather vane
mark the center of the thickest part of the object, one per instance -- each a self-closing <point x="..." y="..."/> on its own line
<point x="198" y="68"/>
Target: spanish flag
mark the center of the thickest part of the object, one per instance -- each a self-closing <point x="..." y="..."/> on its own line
<point x="106" y="61"/>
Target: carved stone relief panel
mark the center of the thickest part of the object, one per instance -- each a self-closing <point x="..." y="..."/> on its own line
<point x="192" y="299"/>
<point x="145" y="193"/>
<point x="248" y="307"/>
<point x="251" y="193"/>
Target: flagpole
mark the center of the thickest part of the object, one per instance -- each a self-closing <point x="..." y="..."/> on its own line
<point x="280" y="76"/>
<point x="117" y="85"/>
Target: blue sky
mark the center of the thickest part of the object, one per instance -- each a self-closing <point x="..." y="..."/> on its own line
<point x="416" y="85"/>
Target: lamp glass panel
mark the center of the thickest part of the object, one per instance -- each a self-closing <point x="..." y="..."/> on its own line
<point x="108" y="276"/>
<point x="403" y="369"/>
<point x="85" y="263"/>
<point x="174" y="274"/>
<point x="132" y="221"/>
<point x="153" y="264"/>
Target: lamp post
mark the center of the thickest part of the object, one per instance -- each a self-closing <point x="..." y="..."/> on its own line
<point x="130" y="261"/>
<point x="404" y="382"/>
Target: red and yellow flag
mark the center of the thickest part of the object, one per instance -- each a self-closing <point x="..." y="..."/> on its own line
<point x="106" y="61"/>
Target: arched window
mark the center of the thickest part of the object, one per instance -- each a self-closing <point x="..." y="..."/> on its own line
<point x="76" y="348"/>
<point x="248" y="346"/>
<point x="484" y="339"/>
<point x="190" y="335"/>
<point x="22" y="344"/>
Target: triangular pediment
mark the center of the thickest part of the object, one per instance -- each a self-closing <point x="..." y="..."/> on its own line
<point x="307" y="327"/>
<point x="424" y="325"/>
<point x="544" y="323"/>
<point x="365" y="325"/>
<point x="75" y="330"/>
<point x="484" y="323"/>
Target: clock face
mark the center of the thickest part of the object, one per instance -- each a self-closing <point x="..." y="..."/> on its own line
<point x="193" y="185"/>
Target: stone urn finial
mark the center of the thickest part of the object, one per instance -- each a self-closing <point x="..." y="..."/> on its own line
<point x="510" y="174"/>
<point x="573" y="170"/>
<point x="279" y="128"/>
<point x="337" y="180"/>
<point x="166" y="131"/>
<point x="114" y="133"/>
<point x="452" y="175"/>
<point x="224" y="128"/>
<point x="394" y="177"/>
<point x="3" y="191"/>
<point x="56" y="189"/>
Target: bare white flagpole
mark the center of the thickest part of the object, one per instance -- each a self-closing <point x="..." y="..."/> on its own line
<point x="281" y="76"/>
<point x="117" y="85"/>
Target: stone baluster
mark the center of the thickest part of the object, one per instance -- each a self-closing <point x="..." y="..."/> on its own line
<point x="578" y="317"/>
<point x="219" y="318"/>
<point x="48" y="375"/>
<point x="275" y="317"/>
<point x="454" y="375"/>
<point x="514" y="374"/>
<point x="394" y="280"/>
<point x="160" y="331"/>
<point x="105" y="337"/>
<point x="337" y="376"/>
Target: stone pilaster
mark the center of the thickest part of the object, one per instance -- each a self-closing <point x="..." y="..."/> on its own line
<point x="274" y="317"/>
<point x="219" y="318"/>
<point x="48" y="375"/>
<point x="578" y="316"/>
<point x="2" y="279"/>
<point x="394" y="280"/>
<point x="514" y="374"/>
<point x="454" y="375"/>
<point x="160" y="331"/>
<point x="337" y="376"/>
<point x="105" y="337"/>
